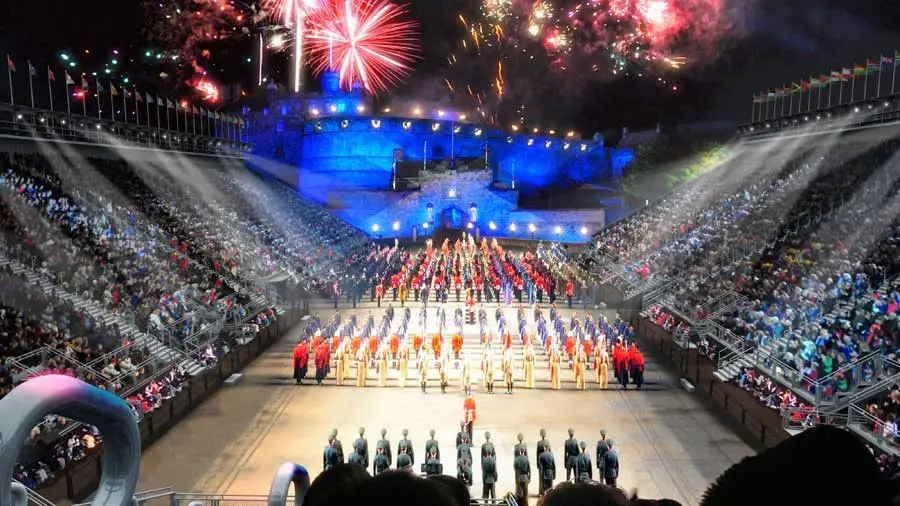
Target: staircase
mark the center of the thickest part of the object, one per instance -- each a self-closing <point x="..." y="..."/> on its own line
<point x="157" y="349"/>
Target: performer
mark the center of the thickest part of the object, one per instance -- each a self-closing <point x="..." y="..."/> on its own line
<point x="417" y="344"/>
<point x="403" y="366"/>
<point x="457" y="345"/>
<point x="395" y="346"/>
<point x="508" y="370"/>
<point x="362" y="366"/>
<point x="570" y="291"/>
<point x="546" y="466"/>
<point x="637" y="367"/>
<point x="488" y="475"/>
<point x="465" y="377"/>
<point x="339" y="367"/>
<point x="555" y="361"/>
<point x="383" y="366"/>
<point x="603" y="368"/>
<point x="622" y="366"/>
<point x="432" y="445"/>
<point x="361" y="447"/>
<point x="301" y="358"/>
<point x="348" y="355"/>
<point x="522" y="467"/>
<point x="436" y="341"/>
<point x="529" y="366"/>
<point x="423" y="372"/>
<point x="384" y="446"/>
<point x="469" y="412"/>
<point x="580" y="369"/>
<point x="572" y="453"/>
<point x="379" y="294"/>
<point x="488" y="369"/>
<point x="444" y="370"/>
<point x="322" y="356"/>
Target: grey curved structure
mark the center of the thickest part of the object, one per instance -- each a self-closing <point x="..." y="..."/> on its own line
<point x="289" y="474"/>
<point x="27" y="405"/>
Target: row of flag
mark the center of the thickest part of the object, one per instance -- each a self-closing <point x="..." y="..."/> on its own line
<point x="823" y="83"/>
<point x="114" y="92"/>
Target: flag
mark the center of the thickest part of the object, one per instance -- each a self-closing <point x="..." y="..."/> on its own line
<point x="872" y="66"/>
<point x="824" y="80"/>
<point x="138" y="96"/>
<point x="112" y="89"/>
<point x="896" y="57"/>
<point x="218" y="116"/>
<point x="9" y="64"/>
<point x="836" y="76"/>
<point x="101" y="89"/>
<point x="50" y="75"/>
<point x="194" y="110"/>
<point x="127" y="93"/>
<point x="886" y="59"/>
<point x="150" y="98"/>
<point x="169" y="104"/>
<point x="31" y="70"/>
<point x="858" y="70"/>
<point x="84" y="83"/>
<point x="795" y="87"/>
<point x="69" y="79"/>
<point x="757" y="99"/>
<point x="846" y="73"/>
<point x="804" y="85"/>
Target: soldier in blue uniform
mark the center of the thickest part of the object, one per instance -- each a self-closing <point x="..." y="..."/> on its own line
<point x="571" y="452"/>
<point x="361" y="447"/>
<point x="546" y="466"/>
<point x="330" y="456"/>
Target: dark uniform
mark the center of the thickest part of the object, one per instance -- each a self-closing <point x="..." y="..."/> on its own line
<point x="488" y="476"/>
<point x="380" y="463"/>
<point x="611" y="466"/>
<point x="602" y="448"/>
<point x="462" y="435"/>
<point x="407" y="444"/>
<point x="433" y="444"/>
<point x="522" y="467"/>
<point x="464" y="470"/>
<point x="542" y="443"/>
<point x="546" y="465"/>
<point x="330" y="457"/>
<point x="404" y="463"/>
<point x="361" y="447"/>
<point x="583" y="467"/>
<point x="356" y="459"/>
<point x="520" y="447"/>
<point x="385" y="445"/>
<point x="433" y="465"/>
<point x="571" y="451"/>
<point x="464" y="450"/>
<point x="487" y="448"/>
<point x="337" y="446"/>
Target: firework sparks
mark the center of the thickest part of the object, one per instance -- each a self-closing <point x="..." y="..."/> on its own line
<point x="366" y="41"/>
<point x="207" y="89"/>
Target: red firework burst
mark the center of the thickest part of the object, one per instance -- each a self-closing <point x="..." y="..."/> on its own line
<point x="367" y="41"/>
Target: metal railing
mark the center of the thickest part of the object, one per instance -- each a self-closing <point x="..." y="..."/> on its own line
<point x="795" y="419"/>
<point x="874" y="430"/>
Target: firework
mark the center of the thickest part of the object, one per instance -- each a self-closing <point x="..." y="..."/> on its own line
<point x="367" y="41"/>
<point x="207" y="89"/>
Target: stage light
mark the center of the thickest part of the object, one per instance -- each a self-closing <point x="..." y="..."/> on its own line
<point x="477" y="132"/>
<point x="452" y="193"/>
<point x="584" y="147"/>
<point x="18" y="116"/>
<point x="531" y="227"/>
<point x="406" y="125"/>
<point x="345" y="123"/>
<point x="435" y="127"/>
<point x="570" y="133"/>
<point x="387" y="110"/>
<point x="456" y="130"/>
<point x="515" y="128"/>
<point x="531" y="142"/>
<point x="417" y="111"/>
<point x="64" y="56"/>
<point x="375" y="228"/>
<point x="552" y="132"/>
<point x="492" y="225"/>
<point x="557" y="230"/>
<point x="376" y="123"/>
<point x="512" y="227"/>
<point x="548" y="144"/>
<point x="314" y="112"/>
<point x="332" y="108"/>
<point x="360" y="108"/>
<point x="425" y="225"/>
<point x="584" y="231"/>
<point x="856" y="109"/>
<point x="462" y="117"/>
<point x="440" y="114"/>
<point x="469" y="226"/>
<point x="509" y="140"/>
<point x="99" y="127"/>
<point x="565" y="145"/>
<point x="396" y="226"/>
<point x="535" y="130"/>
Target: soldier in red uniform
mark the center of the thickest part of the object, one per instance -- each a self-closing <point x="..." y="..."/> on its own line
<point x="457" y="285"/>
<point x="637" y="367"/>
<point x="355" y="343"/>
<point x="469" y="415"/>
<point x="588" y="348"/>
<point x="373" y="346"/>
<point x="437" y="341"/>
<point x="395" y="345"/>
<point x="301" y="357"/>
<point x="418" y="341"/>
<point x="322" y="355"/>
<point x="457" y="345"/>
<point x="622" y="365"/>
<point x="570" y="346"/>
<point x="507" y="341"/>
<point x="570" y="291"/>
<point x="478" y="285"/>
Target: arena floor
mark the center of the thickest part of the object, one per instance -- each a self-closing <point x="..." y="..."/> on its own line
<point x="669" y="444"/>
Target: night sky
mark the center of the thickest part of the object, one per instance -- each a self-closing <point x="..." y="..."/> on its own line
<point x="770" y="43"/>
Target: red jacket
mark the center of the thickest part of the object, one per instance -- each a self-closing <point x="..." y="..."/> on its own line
<point x="301" y="354"/>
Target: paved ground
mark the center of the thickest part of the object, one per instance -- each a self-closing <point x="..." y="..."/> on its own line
<point x="669" y="444"/>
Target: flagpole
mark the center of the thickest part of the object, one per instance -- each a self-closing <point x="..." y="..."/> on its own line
<point x="791" y="101"/>
<point x="829" y="93"/>
<point x="853" y="86"/>
<point x="68" y="102"/>
<point x="177" y="129"/>
<point x="168" y="124"/>
<point x="98" y="100"/>
<point x="12" y="97"/>
<point x="147" y="104"/>
<point x="753" y="110"/>
<point x="30" y="83"/>
<point x="125" y="103"/>
<point x="880" y="66"/>
<point x="50" y="89"/>
<point x="866" y="82"/>
<point x="782" y="104"/>
<point x="841" y="88"/>
<point x="137" y="113"/>
<point x="894" y="74"/>
<point x="809" y="99"/>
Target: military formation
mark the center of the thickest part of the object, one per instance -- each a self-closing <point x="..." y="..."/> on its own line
<point x="356" y="351"/>
<point x="576" y="460"/>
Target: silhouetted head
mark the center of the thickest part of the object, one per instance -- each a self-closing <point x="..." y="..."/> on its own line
<point x="457" y="489"/>
<point x="487" y="436"/>
<point x="583" y="445"/>
<point x="583" y="494"/>
<point x="335" y="485"/>
<point x="543" y="433"/>
<point x="520" y="437"/>
<point x="362" y="431"/>
<point x="431" y="433"/>
<point x="571" y="432"/>
<point x="383" y="432"/>
<point x="405" y="432"/>
<point x="383" y="490"/>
